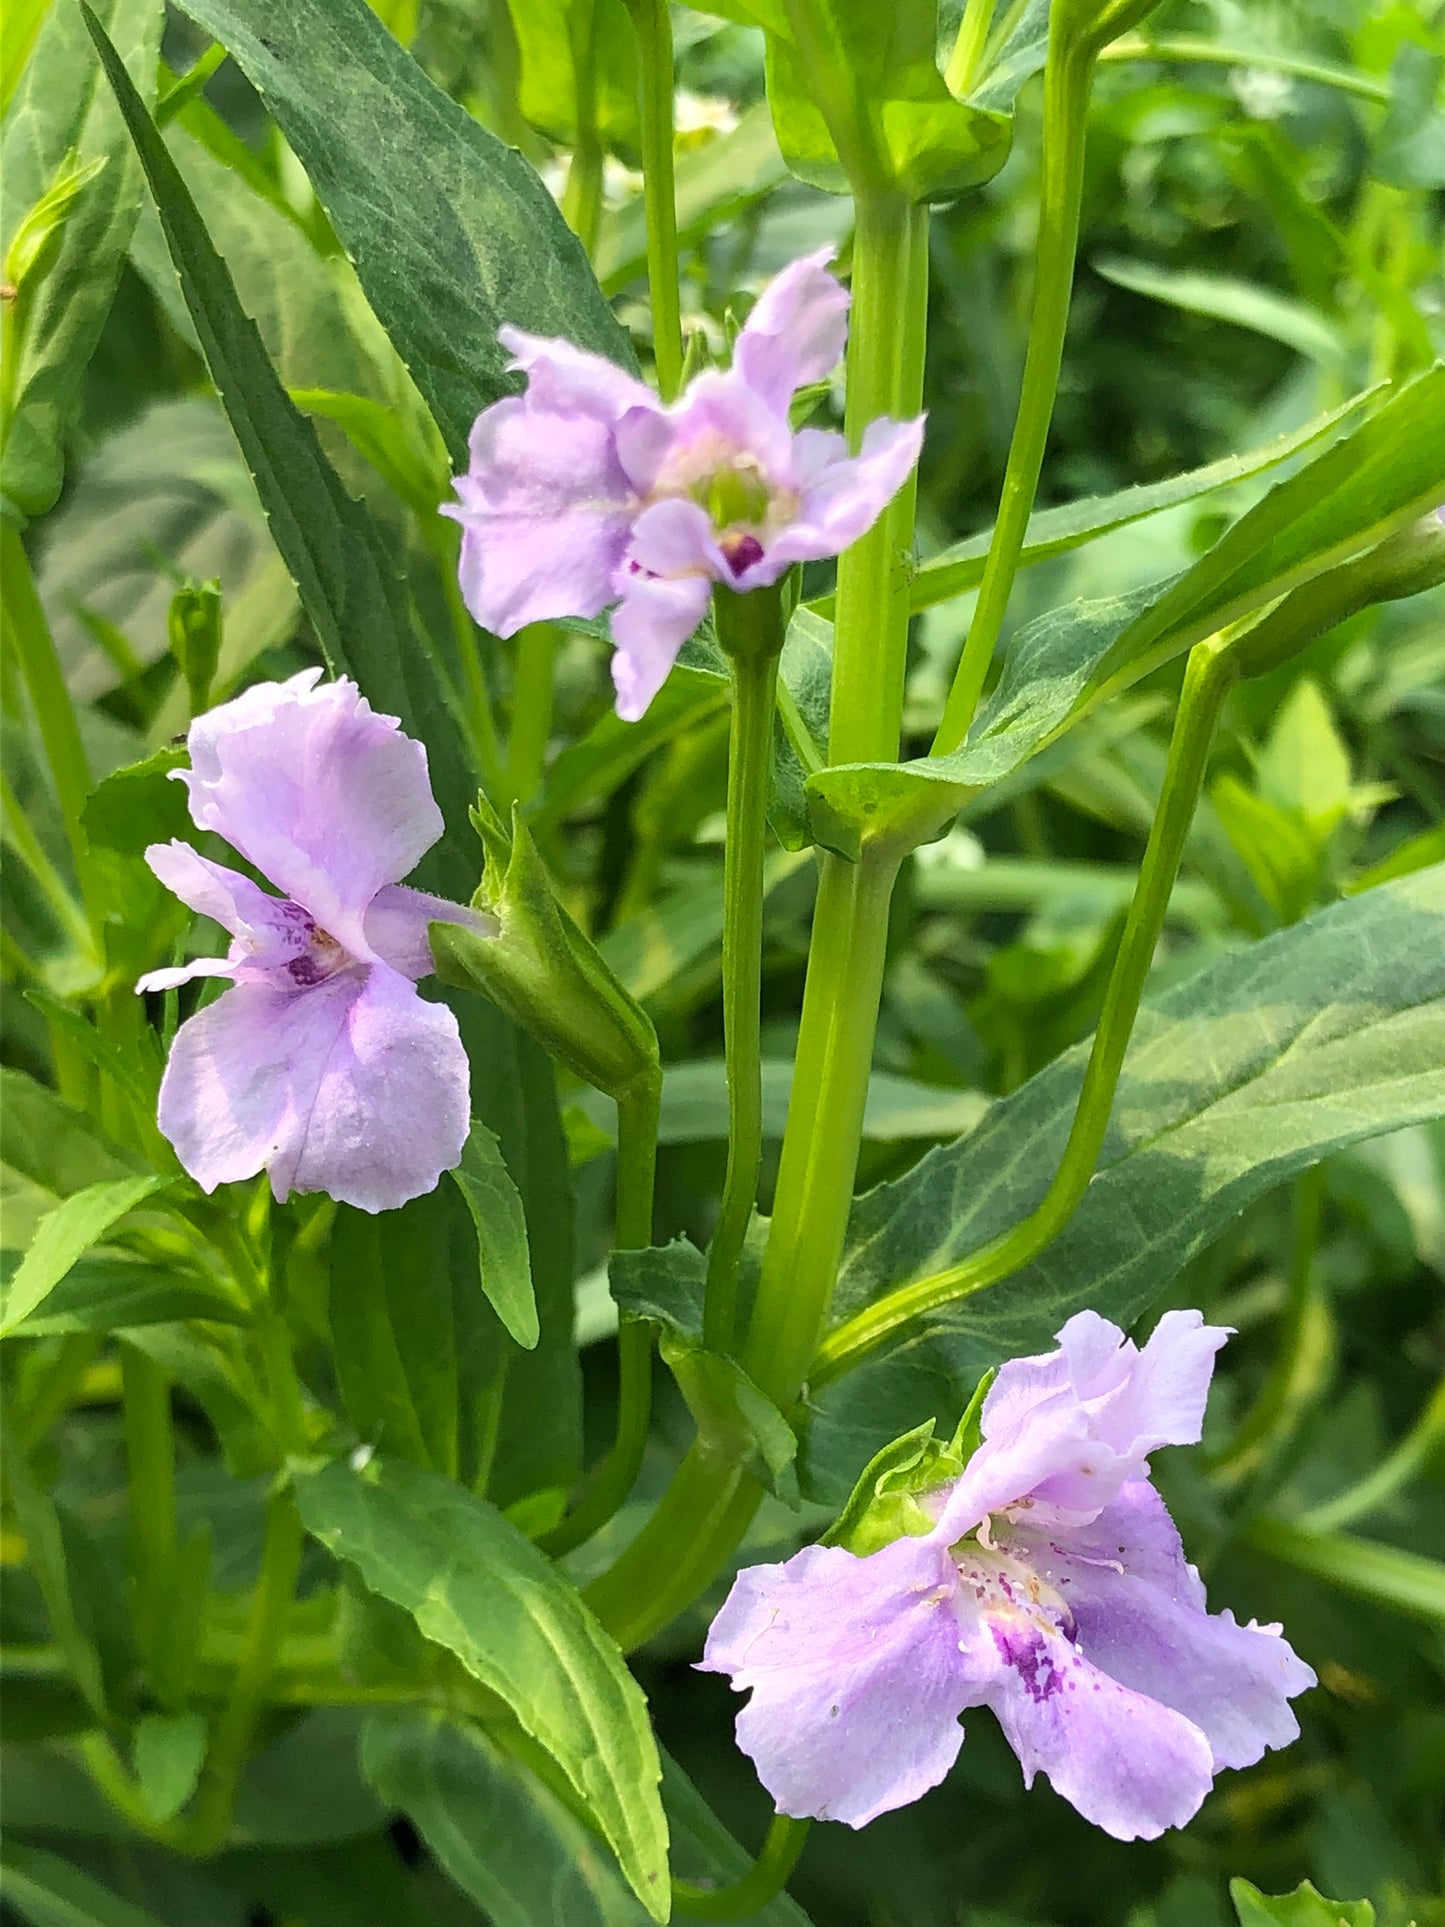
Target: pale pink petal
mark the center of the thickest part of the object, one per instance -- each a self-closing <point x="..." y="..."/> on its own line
<point x="563" y="379"/>
<point x="845" y="498"/>
<point x="210" y="889"/>
<point x="352" y="1086"/>
<point x="391" y="1110"/>
<point x="796" y="332"/>
<point x="1139" y="1613"/>
<point x="855" y="1675"/>
<point x="172" y="977"/>
<point x="654" y="619"/>
<point x="328" y="799"/>
<point x="675" y="537"/>
<point x="545" y="510"/>
<point x="396" y="926"/>
<point x="1063" y="1432"/>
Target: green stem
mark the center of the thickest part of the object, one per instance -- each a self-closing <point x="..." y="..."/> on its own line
<point x="679" y="1552"/>
<point x="151" y="1452"/>
<point x="653" y="21"/>
<point x="481" y="723"/>
<point x="763" y="1881"/>
<point x="1292" y="1369"/>
<point x="750" y="629"/>
<point x="236" y="1728"/>
<point x="1349" y="80"/>
<point x="1207" y="681"/>
<point x="819" y="1158"/>
<point x="582" y="196"/>
<point x="885" y="377"/>
<point x="968" y="47"/>
<point x="1067" y="74"/>
<point x="1410" y="1456"/>
<point x="531" y="711"/>
<point x="28" y="633"/>
<point x="637" y="1111"/>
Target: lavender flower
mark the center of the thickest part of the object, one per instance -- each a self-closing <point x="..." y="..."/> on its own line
<point x="322" y="1066"/>
<point x="587" y="492"/>
<point x="1053" y="1588"/>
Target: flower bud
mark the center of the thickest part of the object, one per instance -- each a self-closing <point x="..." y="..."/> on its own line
<point x="539" y="967"/>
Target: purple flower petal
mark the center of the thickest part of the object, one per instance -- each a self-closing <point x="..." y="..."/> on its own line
<point x="328" y="799"/>
<point x="1128" y="1764"/>
<point x="844" y="496"/>
<point x="1064" y="1431"/>
<point x="545" y="510"/>
<point x="796" y="332"/>
<point x="565" y="380"/>
<point x="1139" y="1609"/>
<point x="855" y="1676"/>
<point x="654" y="619"/>
<point x="353" y="1086"/>
<point x="396" y="926"/>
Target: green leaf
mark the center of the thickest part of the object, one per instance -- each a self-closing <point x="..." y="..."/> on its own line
<point x="47" y="1891"/>
<point x="51" y="1143"/>
<point x="1410" y="147"/>
<point x="103" y="1294"/>
<point x="451" y="233"/>
<point x="912" y="134"/>
<point x="1384" y="1575"/>
<point x="414" y="465"/>
<point x="139" y="805"/>
<point x="476" y="1586"/>
<point x="1377" y="478"/>
<point x="1055" y="531"/>
<point x="506" y="1839"/>
<point x="1223" y="297"/>
<point x="555" y="41"/>
<point x="496" y="1207"/>
<point x="169" y="1749"/>
<point x="21" y="24"/>
<point x="665" y="1284"/>
<point x="1305" y="1907"/>
<point x="347" y="580"/>
<point x="70" y="1230"/>
<point x="62" y="110"/>
<point x="1251" y="1070"/>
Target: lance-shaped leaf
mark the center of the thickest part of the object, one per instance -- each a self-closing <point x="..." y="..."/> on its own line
<point x="492" y="1198"/>
<point x="63" y="111"/>
<point x="1256" y="1067"/>
<point x="1372" y="482"/>
<point x="451" y="232"/>
<point x="66" y="1235"/>
<point x="476" y="1586"/>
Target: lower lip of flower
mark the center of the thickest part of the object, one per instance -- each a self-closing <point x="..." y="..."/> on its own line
<point x="741" y="548"/>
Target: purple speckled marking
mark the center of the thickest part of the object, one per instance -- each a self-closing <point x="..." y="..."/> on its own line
<point x="742" y="551"/>
<point x="1030" y="1659"/>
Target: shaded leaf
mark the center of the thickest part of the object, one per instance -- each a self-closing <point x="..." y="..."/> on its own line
<point x="496" y="1207"/>
<point x="476" y="1586"/>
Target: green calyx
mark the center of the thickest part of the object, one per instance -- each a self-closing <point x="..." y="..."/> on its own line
<point x="541" y="970"/>
<point x="897" y="1491"/>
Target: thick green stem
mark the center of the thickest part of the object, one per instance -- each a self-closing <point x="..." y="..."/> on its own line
<point x="151" y="1453"/>
<point x="531" y="711"/>
<point x="28" y="634"/>
<point x="763" y="1881"/>
<point x="235" y="1730"/>
<point x="1066" y="98"/>
<point x="637" y="1111"/>
<point x="582" y="196"/>
<point x="1208" y="678"/>
<point x="750" y="629"/>
<point x="885" y="377"/>
<point x="825" y="1119"/>
<point x="653" y="21"/>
